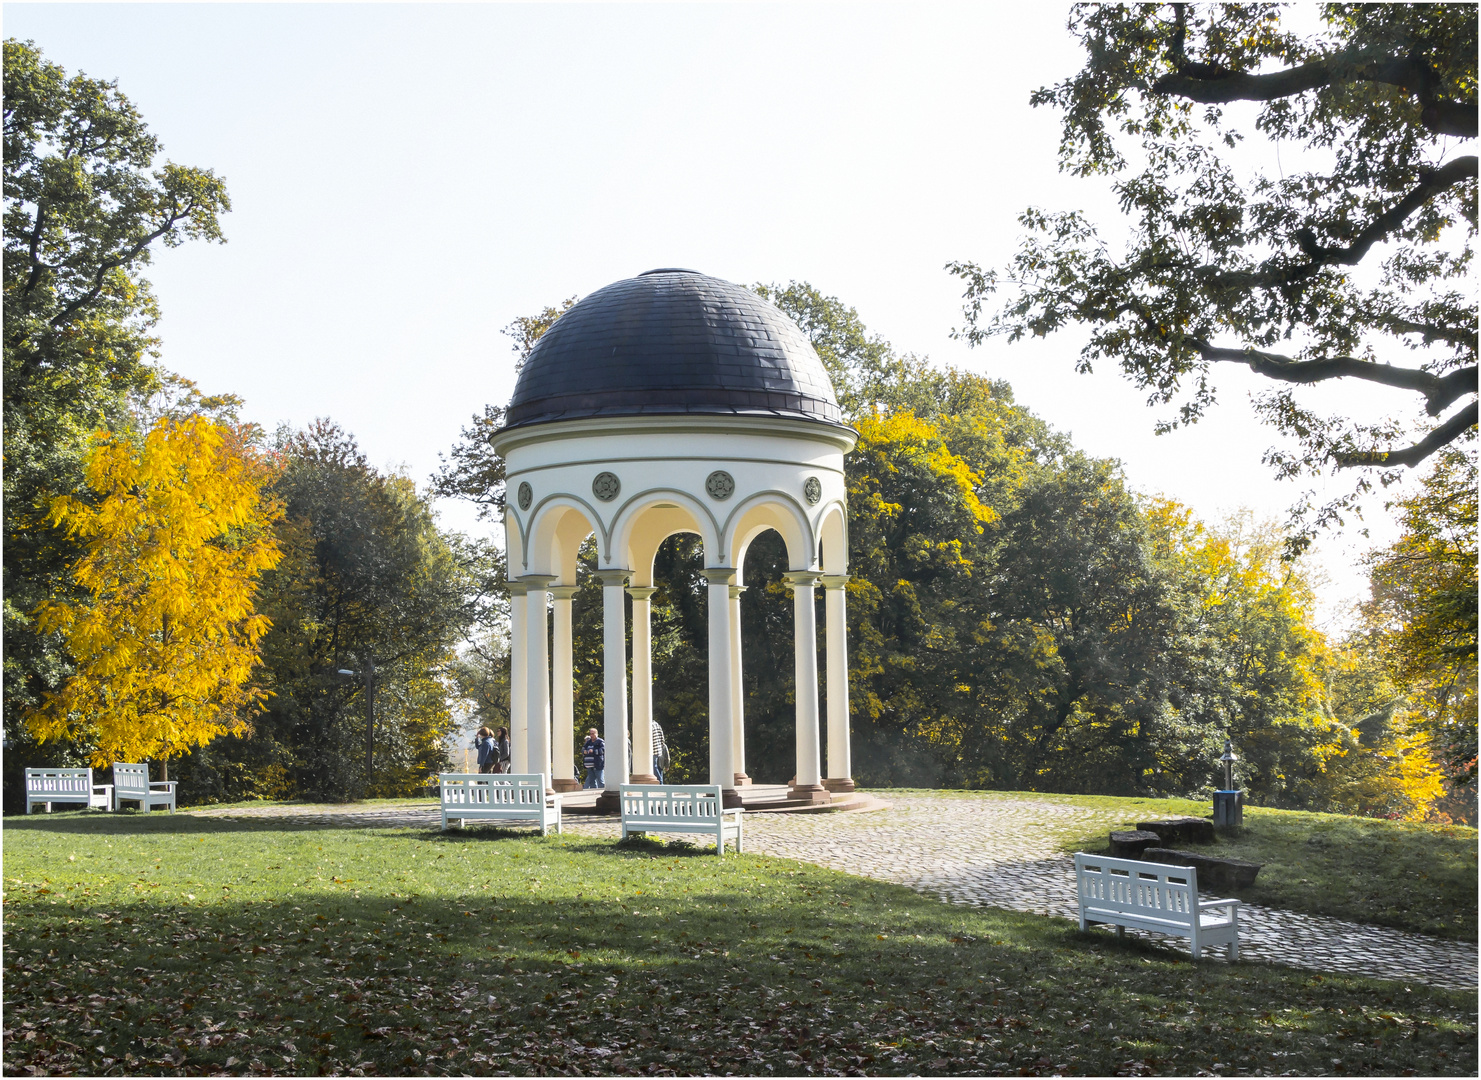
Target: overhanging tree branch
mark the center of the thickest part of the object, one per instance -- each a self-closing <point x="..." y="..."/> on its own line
<point x="1439" y="390"/>
<point x="1441" y="436"/>
<point x="1430" y="183"/>
<point x="1212" y="84"/>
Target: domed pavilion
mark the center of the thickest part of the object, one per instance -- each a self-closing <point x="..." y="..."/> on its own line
<point x="667" y="403"/>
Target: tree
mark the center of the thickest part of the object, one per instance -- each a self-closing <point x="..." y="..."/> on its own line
<point x="528" y="329"/>
<point x="1423" y="609"/>
<point x="1078" y="653"/>
<point x="367" y="584"/>
<point x="167" y="636"/>
<point x="915" y="557"/>
<point x="84" y="207"/>
<point x="1314" y="275"/>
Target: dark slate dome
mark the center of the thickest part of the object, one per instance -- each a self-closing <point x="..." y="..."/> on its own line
<point x="672" y="342"/>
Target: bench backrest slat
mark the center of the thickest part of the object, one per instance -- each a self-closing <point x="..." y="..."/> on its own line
<point x="699" y="803"/>
<point x="1157" y="889"/>
<point x="493" y="791"/>
<point x="130" y="780"/>
<point x="59" y="782"/>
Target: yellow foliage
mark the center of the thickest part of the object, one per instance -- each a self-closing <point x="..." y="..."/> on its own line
<point x="166" y="635"/>
<point x="905" y="432"/>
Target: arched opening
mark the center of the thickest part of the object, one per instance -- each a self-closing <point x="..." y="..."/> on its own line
<point x="768" y="672"/>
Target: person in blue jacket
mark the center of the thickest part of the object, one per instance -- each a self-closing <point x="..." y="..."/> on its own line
<point x="594" y="759"/>
<point x="488" y="753"/>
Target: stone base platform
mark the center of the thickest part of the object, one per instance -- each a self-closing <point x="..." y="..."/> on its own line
<point x="756" y="798"/>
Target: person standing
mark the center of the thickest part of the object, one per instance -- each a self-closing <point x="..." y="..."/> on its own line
<point x="501" y="750"/>
<point x="483" y="742"/>
<point x="660" y="752"/>
<point x="594" y="759"/>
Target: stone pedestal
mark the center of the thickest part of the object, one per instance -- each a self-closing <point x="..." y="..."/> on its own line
<point x="1131" y="843"/>
<point x="609" y="802"/>
<point x="562" y="784"/>
<point x="843" y="786"/>
<point x="1182" y="830"/>
<point x="741" y="779"/>
<point x="1213" y="873"/>
<point x="813" y="793"/>
<point x="1228" y="809"/>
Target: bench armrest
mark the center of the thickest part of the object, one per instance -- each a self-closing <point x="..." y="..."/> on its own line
<point x="163" y="785"/>
<point x="102" y="789"/>
<point x="1218" y="903"/>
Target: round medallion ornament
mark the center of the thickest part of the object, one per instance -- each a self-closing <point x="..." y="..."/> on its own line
<point x="606" y="486"/>
<point x="812" y="490"/>
<point x="720" y="484"/>
<point x="526" y="496"/>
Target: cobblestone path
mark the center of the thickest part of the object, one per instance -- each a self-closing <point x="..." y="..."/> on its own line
<point x="995" y="852"/>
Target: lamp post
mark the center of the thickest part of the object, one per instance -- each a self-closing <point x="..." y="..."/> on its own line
<point x="369" y="676"/>
<point x="1228" y="803"/>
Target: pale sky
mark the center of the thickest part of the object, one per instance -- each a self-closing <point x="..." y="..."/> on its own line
<point x="407" y="179"/>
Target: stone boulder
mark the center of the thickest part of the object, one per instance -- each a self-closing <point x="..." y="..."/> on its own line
<point x="1221" y="874"/>
<point x="1182" y="830"/>
<point x="1131" y="843"/>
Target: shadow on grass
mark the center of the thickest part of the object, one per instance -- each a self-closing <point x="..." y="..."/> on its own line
<point x="134" y="822"/>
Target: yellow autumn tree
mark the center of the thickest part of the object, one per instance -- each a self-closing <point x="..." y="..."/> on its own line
<point x="163" y="631"/>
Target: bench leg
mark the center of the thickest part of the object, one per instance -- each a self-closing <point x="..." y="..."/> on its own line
<point x="1234" y="949"/>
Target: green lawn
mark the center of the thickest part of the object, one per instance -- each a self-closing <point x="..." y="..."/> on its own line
<point x="154" y="944"/>
<point x="1389" y="873"/>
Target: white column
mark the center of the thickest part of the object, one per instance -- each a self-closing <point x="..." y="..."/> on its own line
<point x="722" y="734"/>
<point x="518" y="674"/>
<point x="537" y="684"/>
<point x="737" y="691"/>
<point x="840" y="762"/>
<point x="809" y="758"/>
<point x="642" y="763"/>
<point x="614" y="682"/>
<point x="562" y="696"/>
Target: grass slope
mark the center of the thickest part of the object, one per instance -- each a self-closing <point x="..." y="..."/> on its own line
<point x="151" y="944"/>
<point x="1388" y="873"/>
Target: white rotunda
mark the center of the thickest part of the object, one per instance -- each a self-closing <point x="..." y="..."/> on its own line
<point x="668" y="403"/>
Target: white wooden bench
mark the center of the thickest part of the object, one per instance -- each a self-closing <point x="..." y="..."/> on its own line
<point x="66" y="786"/>
<point x="131" y="784"/>
<point x="682" y="808"/>
<point x="1156" y="897"/>
<point x="498" y="797"/>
